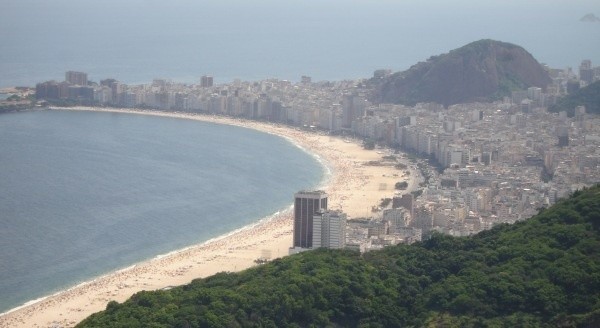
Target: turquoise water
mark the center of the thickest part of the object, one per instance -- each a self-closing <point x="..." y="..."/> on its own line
<point x="85" y="193"/>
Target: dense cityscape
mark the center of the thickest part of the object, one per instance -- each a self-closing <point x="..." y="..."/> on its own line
<point x="478" y="164"/>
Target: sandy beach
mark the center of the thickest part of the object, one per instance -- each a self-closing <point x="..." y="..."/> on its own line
<point x="355" y="186"/>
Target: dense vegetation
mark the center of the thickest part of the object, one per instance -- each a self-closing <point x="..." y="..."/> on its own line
<point x="588" y="97"/>
<point x="401" y="185"/>
<point x="8" y="107"/>
<point x="17" y="102"/>
<point x="541" y="272"/>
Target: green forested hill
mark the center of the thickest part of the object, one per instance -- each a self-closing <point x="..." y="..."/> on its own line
<point x="541" y="272"/>
<point x="588" y="97"/>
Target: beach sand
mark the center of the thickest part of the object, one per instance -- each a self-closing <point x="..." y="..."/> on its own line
<point x="354" y="186"/>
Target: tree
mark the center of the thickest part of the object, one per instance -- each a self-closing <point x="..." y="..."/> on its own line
<point x="540" y="272"/>
<point x="401" y="185"/>
<point x="369" y="144"/>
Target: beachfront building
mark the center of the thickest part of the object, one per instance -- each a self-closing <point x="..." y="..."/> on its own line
<point x="329" y="230"/>
<point x="206" y="81"/>
<point x="306" y="205"/>
<point x="76" y="78"/>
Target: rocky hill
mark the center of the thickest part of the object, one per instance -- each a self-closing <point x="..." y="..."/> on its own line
<point x="542" y="272"/>
<point x="480" y="71"/>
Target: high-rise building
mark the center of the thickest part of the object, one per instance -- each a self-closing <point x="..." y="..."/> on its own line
<point x="563" y="136"/>
<point x="407" y="201"/>
<point x="76" y="78"/>
<point x="306" y="204"/>
<point x="206" y="81"/>
<point x="306" y="79"/>
<point x="329" y="230"/>
<point x="586" y="73"/>
<point x="353" y="107"/>
<point x="47" y="90"/>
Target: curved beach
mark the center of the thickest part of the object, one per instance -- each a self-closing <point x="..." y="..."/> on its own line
<point x="353" y="187"/>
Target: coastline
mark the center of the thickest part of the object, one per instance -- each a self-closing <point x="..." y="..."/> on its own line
<point x="352" y="187"/>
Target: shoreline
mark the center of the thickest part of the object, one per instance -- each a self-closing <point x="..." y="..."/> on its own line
<point x="346" y="179"/>
<point x="264" y="220"/>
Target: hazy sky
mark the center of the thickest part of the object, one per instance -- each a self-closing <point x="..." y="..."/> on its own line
<point x="139" y="39"/>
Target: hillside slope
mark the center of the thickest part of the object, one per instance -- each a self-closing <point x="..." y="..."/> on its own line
<point x="479" y="71"/>
<point x="588" y="97"/>
<point x="541" y="272"/>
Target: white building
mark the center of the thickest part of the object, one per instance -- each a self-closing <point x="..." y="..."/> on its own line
<point x="329" y="230"/>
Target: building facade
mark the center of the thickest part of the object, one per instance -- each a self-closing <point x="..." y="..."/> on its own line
<point x="329" y="230"/>
<point x="306" y="204"/>
<point x="206" y="81"/>
<point x="76" y="78"/>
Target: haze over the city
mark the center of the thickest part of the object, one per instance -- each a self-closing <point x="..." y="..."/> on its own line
<point x="137" y="41"/>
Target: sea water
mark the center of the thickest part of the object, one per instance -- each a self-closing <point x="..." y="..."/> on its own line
<point x="86" y="193"/>
<point x="135" y="41"/>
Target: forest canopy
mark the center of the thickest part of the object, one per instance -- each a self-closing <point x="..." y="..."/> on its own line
<point x="544" y="271"/>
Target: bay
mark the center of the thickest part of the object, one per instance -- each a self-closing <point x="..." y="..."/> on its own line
<point x="85" y="193"/>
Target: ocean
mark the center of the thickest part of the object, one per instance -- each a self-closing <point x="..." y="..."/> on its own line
<point x="86" y="193"/>
<point x="135" y="41"/>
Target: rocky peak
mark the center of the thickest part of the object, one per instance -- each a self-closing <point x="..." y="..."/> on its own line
<point x="479" y="71"/>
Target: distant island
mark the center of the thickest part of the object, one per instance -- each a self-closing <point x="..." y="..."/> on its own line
<point x="590" y="18"/>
